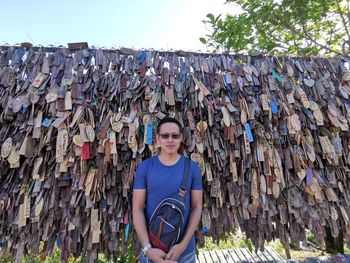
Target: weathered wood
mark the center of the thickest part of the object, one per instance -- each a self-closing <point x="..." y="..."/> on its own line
<point x="266" y="255"/>
<point x="69" y="175"/>
<point x="258" y="256"/>
<point x="234" y="255"/>
<point x="214" y="257"/>
<point x="334" y="244"/>
<point x="262" y="256"/>
<point x="250" y="256"/>
<point x="274" y="254"/>
<point x="286" y="247"/>
<point x="201" y="258"/>
<point x="241" y="255"/>
<point x="228" y="256"/>
<point x="207" y="257"/>
<point x="220" y="255"/>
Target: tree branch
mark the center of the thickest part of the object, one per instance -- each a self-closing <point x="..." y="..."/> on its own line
<point x="278" y="42"/>
<point x="319" y="44"/>
<point x="270" y="35"/>
<point x="280" y="25"/>
<point x="343" y="20"/>
<point x="331" y="33"/>
<point x="348" y="8"/>
<point x="306" y="35"/>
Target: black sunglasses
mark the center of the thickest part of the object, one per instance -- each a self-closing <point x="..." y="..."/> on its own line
<point x="174" y="136"/>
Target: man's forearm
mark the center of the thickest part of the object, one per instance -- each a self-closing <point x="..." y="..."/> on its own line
<point x="140" y="226"/>
<point x="195" y="217"/>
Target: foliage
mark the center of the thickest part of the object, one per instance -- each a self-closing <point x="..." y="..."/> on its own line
<point x="127" y="257"/>
<point x="278" y="247"/>
<point x="230" y="241"/>
<point x="298" y="27"/>
<point x="35" y="258"/>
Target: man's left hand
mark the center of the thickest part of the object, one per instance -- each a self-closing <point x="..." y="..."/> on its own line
<point x="176" y="251"/>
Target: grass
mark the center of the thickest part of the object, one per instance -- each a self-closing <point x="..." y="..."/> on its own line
<point x="127" y="257"/>
<point x="295" y="253"/>
<point x="229" y="242"/>
<point x="239" y="241"/>
<point x="232" y="241"/>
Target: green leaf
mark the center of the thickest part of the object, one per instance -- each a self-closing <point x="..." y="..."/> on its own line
<point x="211" y="17"/>
<point x="217" y="18"/>
<point x="249" y="245"/>
<point x="282" y="26"/>
<point x="203" y="40"/>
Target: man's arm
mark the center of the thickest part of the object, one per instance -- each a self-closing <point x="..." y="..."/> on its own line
<point x="140" y="226"/>
<point x="138" y="215"/>
<point x="195" y="217"/>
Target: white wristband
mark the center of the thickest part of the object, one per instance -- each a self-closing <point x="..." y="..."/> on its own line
<point x="146" y="248"/>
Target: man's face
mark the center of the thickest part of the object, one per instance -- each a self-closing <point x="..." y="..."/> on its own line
<point x="169" y="138"/>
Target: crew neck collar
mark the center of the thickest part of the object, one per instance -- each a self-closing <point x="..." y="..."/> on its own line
<point x="169" y="165"/>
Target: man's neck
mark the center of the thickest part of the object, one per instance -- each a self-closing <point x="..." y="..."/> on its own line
<point x="168" y="159"/>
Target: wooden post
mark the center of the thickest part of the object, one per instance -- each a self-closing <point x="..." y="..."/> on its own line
<point x="286" y="247"/>
<point x="334" y="245"/>
<point x="339" y="242"/>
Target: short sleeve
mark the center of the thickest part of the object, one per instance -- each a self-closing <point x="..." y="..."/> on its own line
<point x="140" y="181"/>
<point x="197" y="177"/>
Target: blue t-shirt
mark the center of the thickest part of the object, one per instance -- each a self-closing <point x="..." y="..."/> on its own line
<point x="161" y="181"/>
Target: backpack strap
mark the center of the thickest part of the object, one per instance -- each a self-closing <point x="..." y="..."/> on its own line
<point x="185" y="177"/>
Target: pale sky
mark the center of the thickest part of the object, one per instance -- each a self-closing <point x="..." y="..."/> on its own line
<point x="158" y="24"/>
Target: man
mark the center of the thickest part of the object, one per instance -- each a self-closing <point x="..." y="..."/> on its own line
<point x="156" y="179"/>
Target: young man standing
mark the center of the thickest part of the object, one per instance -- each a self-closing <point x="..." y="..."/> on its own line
<point x="159" y="177"/>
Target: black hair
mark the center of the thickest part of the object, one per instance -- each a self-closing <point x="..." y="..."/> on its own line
<point x="168" y="120"/>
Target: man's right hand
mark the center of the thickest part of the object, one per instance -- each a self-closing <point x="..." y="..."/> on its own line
<point x="156" y="255"/>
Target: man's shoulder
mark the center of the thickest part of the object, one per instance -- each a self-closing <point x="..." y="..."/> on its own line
<point x="148" y="160"/>
<point x="193" y="164"/>
<point x="143" y="164"/>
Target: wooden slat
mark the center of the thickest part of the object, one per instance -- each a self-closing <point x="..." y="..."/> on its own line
<point x="262" y="256"/>
<point x="255" y="256"/>
<point x="207" y="257"/>
<point x="274" y="254"/>
<point x="266" y="255"/>
<point x="241" y="255"/>
<point x="221" y="256"/>
<point x="234" y="255"/>
<point x="201" y="258"/>
<point x="227" y="256"/>
<point x="214" y="257"/>
<point x="249" y="256"/>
